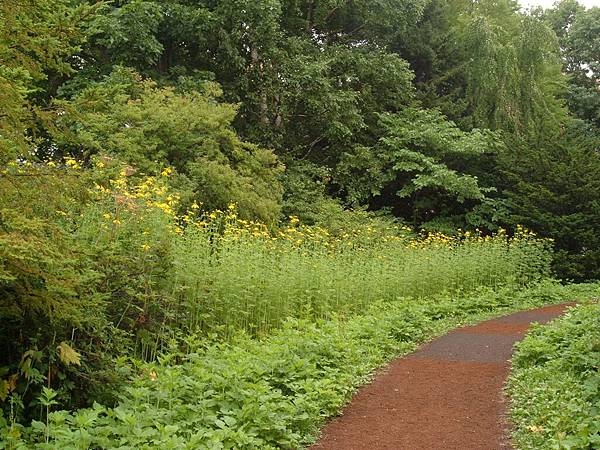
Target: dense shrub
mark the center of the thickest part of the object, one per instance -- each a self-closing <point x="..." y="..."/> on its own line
<point x="80" y="273"/>
<point x="152" y="127"/>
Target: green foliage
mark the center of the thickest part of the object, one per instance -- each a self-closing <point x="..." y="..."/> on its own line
<point x="349" y="22"/>
<point x="107" y="240"/>
<point x="129" y="33"/>
<point x="273" y="393"/>
<point x="555" y="384"/>
<point x="331" y="98"/>
<point x="76" y="282"/>
<point x="310" y="78"/>
<point x="152" y="127"/>
<point x="305" y="197"/>
<point x="554" y="190"/>
<point x="413" y="159"/>
<point x="515" y="73"/>
<point x="252" y="281"/>
<point x="486" y="65"/>
<point x="36" y="40"/>
<point x="578" y="30"/>
<point x="181" y="114"/>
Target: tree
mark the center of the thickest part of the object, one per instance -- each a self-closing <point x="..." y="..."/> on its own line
<point x="331" y="99"/>
<point x="420" y="158"/>
<point x="152" y="127"/>
<point x="553" y="188"/>
<point x="578" y="31"/>
<point x="487" y="65"/>
<point x="37" y="38"/>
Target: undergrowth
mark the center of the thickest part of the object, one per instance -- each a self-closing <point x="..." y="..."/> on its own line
<point x="269" y="393"/>
<point x="555" y="384"/>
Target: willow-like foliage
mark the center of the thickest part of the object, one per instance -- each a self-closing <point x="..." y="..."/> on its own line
<point x="513" y="70"/>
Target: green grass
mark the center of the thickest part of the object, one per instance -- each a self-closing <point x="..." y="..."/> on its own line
<point x="555" y="383"/>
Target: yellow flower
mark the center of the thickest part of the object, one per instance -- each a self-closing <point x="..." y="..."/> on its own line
<point x="107" y="216"/>
<point x="166" y="172"/>
<point x="145" y="247"/>
<point x="72" y="163"/>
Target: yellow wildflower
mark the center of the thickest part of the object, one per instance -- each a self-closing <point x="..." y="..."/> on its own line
<point x="72" y="163"/>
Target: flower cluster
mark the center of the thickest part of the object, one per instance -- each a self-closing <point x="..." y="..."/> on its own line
<point x="129" y="195"/>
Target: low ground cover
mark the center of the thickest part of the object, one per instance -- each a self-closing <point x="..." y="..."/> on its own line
<point x="555" y="383"/>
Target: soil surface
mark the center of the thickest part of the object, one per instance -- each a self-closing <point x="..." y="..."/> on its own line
<point x="448" y="395"/>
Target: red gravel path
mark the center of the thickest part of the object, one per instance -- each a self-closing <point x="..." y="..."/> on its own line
<point x="445" y="396"/>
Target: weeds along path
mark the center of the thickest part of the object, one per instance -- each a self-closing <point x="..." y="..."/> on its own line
<point x="448" y="395"/>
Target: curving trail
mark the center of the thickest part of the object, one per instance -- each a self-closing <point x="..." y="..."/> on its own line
<point x="445" y="396"/>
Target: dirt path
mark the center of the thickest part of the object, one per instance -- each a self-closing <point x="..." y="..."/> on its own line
<point x="445" y="396"/>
